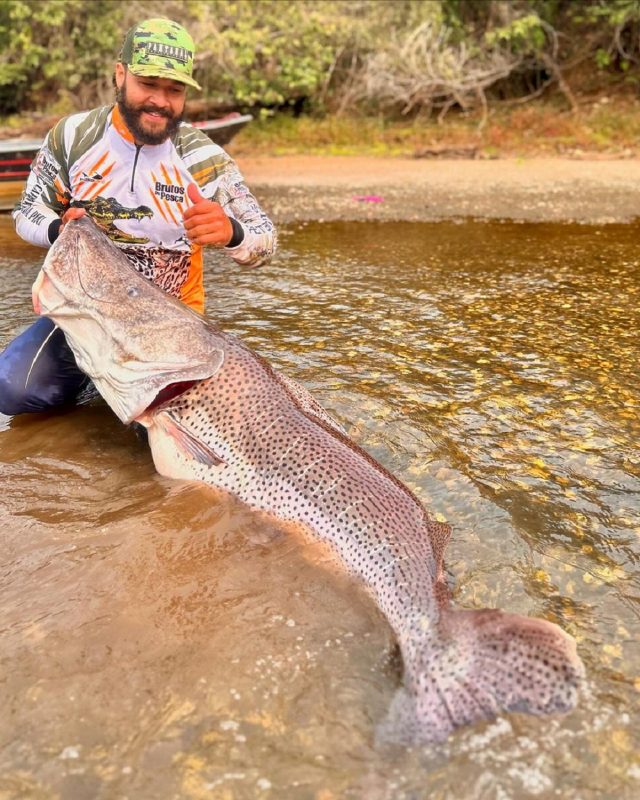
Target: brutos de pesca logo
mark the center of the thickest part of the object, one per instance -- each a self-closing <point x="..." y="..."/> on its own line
<point x="169" y="191"/>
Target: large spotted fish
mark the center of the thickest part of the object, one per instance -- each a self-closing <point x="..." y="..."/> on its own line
<point x="216" y="412"/>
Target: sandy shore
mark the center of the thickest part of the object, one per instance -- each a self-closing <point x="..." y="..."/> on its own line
<point x="353" y="188"/>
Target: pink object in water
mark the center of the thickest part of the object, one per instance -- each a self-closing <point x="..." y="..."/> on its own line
<point x="368" y="198"/>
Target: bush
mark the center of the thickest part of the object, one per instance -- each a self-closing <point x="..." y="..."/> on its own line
<point x="393" y="57"/>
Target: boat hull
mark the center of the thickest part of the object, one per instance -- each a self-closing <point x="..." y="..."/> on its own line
<point x="16" y="155"/>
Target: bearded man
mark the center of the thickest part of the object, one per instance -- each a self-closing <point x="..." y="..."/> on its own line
<point x="160" y="188"/>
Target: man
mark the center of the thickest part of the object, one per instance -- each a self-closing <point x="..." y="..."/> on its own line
<point x="158" y="187"/>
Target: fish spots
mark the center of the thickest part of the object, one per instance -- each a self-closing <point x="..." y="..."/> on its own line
<point x="223" y="416"/>
<point x="284" y="456"/>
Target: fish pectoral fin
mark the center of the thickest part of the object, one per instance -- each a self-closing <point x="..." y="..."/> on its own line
<point x="186" y="442"/>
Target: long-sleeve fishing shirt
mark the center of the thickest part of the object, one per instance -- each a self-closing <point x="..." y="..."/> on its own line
<point x="138" y="195"/>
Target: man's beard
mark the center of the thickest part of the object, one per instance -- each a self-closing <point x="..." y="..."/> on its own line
<point x="131" y="115"/>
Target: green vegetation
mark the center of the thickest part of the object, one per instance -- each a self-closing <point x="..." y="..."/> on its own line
<point x="537" y="129"/>
<point x="337" y="72"/>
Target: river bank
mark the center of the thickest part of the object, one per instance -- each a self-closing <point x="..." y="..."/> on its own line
<point x="589" y="190"/>
<point x="593" y="190"/>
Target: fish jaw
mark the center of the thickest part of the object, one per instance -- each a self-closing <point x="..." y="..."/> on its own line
<point x="129" y="397"/>
<point x="106" y="308"/>
<point x="128" y="384"/>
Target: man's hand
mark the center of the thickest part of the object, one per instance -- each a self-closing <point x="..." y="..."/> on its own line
<point x="71" y="213"/>
<point x="205" y="221"/>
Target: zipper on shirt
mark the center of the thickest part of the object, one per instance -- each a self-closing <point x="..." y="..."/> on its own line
<point x="135" y="164"/>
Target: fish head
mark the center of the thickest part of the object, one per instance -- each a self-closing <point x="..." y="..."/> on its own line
<point x="127" y="335"/>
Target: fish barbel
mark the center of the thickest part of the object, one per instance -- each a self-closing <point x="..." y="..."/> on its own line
<point x="216" y="412"/>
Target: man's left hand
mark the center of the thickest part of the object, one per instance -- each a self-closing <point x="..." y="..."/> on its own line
<point x="205" y="221"/>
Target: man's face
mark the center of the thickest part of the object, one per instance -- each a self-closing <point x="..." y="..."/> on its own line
<point x="151" y="107"/>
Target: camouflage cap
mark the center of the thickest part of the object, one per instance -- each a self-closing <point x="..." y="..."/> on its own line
<point x="159" y="48"/>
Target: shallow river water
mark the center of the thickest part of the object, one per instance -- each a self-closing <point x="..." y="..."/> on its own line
<point x="157" y="642"/>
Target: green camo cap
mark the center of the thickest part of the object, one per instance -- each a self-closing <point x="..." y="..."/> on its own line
<point x="159" y="48"/>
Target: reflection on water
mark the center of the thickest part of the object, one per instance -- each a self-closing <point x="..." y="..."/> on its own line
<point x="157" y="641"/>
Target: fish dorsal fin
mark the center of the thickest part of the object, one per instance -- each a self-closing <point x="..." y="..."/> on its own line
<point x="307" y="402"/>
<point x="439" y="534"/>
<point x="186" y="442"/>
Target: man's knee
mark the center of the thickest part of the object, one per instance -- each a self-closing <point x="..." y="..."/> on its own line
<point x="18" y="398"/>
<point x="12" y="399"/>
<point x="37" y="371"/>
<point x="13" y="395"/>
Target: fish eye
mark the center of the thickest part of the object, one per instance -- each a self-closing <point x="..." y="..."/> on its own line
<point x="132" y="291"/>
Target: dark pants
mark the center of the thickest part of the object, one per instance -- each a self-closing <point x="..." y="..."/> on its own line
<point x="38" y="371"/>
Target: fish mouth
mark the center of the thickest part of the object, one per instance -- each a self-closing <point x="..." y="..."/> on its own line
<point x="134" y="398"/>
<point x="41" y="286"/>
<point x="134" y="389"/>
<point x="48" y="300"/>
<point x="35" y="291"/>
<point x="102" y="324"/>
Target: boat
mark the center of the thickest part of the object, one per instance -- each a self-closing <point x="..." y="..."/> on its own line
<point x="222" y="130"/>
<point x="16" y="155"/>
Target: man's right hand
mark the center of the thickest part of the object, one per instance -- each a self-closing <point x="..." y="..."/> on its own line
<point x="56" y="225"/>
<point x="71" y="213"/>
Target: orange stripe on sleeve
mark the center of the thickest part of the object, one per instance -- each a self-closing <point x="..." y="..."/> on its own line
<point x="55" y="141"/>
<point x="62" y="195"/>
<point x="202" y="176"/>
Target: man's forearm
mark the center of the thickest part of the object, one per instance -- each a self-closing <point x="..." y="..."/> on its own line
<point x="254" y="241"/>
<point x="38" y="225"/>
<point x="254" y="238"/>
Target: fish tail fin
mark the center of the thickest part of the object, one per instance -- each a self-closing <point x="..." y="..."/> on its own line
<point x="475" y="665"/>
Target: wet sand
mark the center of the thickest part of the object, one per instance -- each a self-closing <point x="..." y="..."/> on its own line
<point x="296" y="188"/>
<point x="324" y="188"/>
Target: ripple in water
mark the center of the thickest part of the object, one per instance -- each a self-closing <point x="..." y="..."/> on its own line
<point x="157" y="641"/>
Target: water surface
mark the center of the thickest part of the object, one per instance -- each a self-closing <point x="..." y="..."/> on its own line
<point x="158" y="641"/>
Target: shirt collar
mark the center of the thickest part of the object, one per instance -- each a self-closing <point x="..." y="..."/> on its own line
<point x="120" y="125"/>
